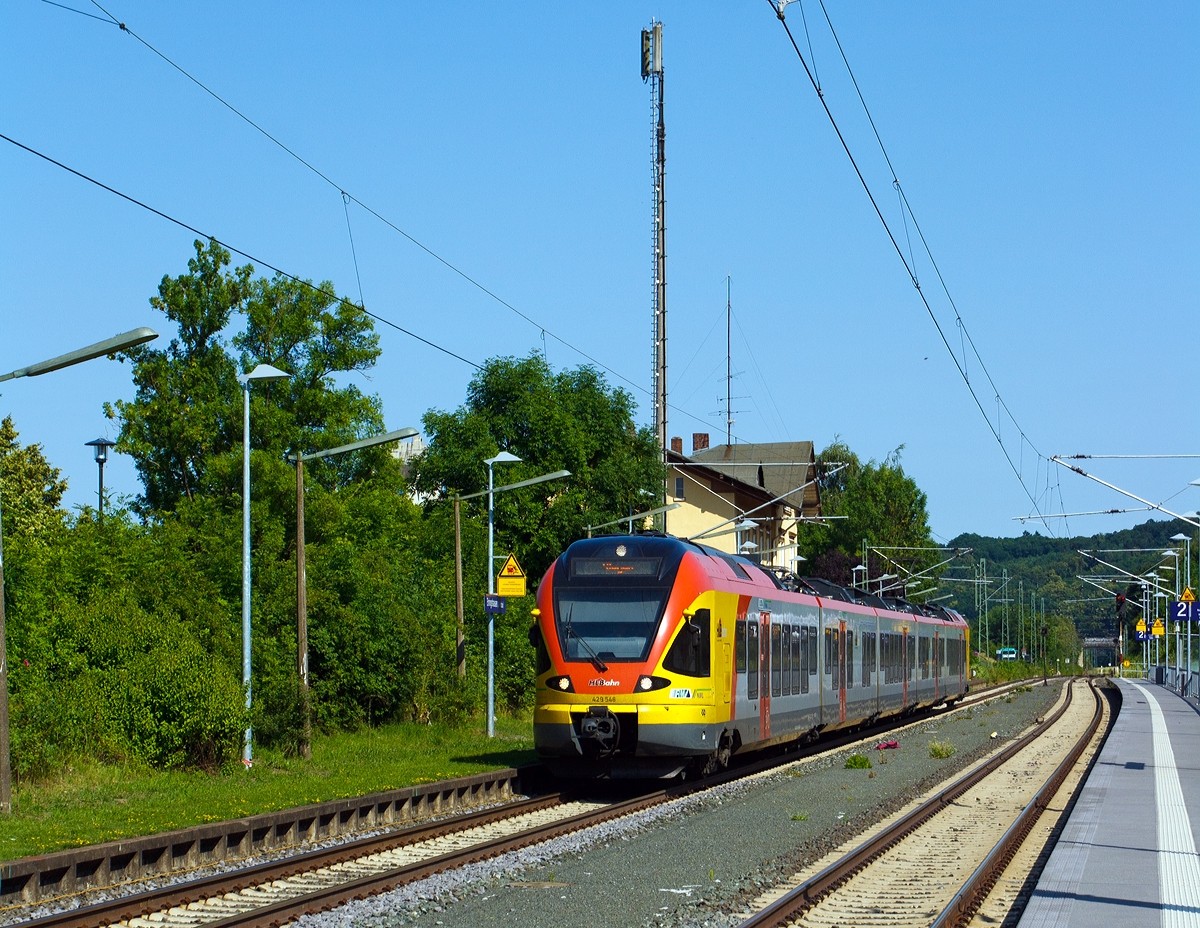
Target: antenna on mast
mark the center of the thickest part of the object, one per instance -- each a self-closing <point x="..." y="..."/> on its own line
<point x="652" y="72"/>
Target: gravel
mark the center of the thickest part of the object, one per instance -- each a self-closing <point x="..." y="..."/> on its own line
<point x="696" y="861"/>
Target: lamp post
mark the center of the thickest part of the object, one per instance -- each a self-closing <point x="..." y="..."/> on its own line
<point x="109" y="346"/>
<point x="1187" y="540"/>
<point x="883" y="579"/>
<point x="1175" y="569"/>
<point x="264" y="373"/>
<point x="301" y="580"/>
<point x="503" y="457"/>
<point x="100" y="446"/>
<point x="859" y="582"/>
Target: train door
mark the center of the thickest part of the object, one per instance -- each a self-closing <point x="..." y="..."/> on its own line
<point x="937" y="666"/>
<point x="904" y="666"/>
<point x="726" y="660"/>
<point x="843" y="667"/>
<point x="764" y="701"/>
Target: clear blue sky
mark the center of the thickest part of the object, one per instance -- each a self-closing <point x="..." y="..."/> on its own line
<point x="1049" y="153"/>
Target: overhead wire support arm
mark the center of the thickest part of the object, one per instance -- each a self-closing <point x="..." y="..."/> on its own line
<point x="1057" y="459"/>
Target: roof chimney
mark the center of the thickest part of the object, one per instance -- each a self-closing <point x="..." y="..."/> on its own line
<point x="677" y="444"/>
<point x="699" y="441"/>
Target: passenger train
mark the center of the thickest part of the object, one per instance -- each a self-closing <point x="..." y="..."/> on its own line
<point x="658" y="656"/>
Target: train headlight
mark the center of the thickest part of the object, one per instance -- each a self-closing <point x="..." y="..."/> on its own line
<point x="561" y="684"/>
<point x="646" y="684"/>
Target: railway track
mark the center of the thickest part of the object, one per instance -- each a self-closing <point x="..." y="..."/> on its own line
<point x="313" y="881"/>
<point x="271" y="893"/>
<point x="934" y="864"/>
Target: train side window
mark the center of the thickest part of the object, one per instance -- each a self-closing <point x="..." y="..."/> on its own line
<point x="828" y="651"/>
<point x="752" y="660"/>
<point x="849" y="659"/>
<point x="776" y="659"/>
<point x="690" y="652"/>
<point x="796" y="675"/>
<point x="739" y="645"/>
<point x="805" y="667"/>
<point x="811" y="649"/>
<point x="786" y="667"/>
<point x="868" y="650"/>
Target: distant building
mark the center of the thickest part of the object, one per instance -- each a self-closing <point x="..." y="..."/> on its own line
<point x="406" y="452"/>
<point x="761" y="491"/>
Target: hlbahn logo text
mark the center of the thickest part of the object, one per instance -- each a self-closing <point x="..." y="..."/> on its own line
<point x="600" y="681"/>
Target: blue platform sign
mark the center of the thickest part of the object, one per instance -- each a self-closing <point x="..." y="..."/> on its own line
<point x="493" y="603"/>
<point x="1183" y="611"/>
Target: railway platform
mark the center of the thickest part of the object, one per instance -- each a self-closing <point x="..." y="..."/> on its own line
<point x="1127" y="857"/>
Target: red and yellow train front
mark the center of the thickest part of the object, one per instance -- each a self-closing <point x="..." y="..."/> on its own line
<point x="634" y="660"/>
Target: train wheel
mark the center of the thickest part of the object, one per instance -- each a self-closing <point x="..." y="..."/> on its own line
<point x="713" y="763"/>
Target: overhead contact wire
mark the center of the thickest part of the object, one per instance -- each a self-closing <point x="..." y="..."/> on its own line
<point x="778" y="10"/>
<point x="245" y="254"/>
<point x="447" y="264"/>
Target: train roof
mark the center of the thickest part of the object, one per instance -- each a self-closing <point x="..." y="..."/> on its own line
<point x="744" y="568"/>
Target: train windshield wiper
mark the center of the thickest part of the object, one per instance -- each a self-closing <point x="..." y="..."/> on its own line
<point x="571" y="633"/>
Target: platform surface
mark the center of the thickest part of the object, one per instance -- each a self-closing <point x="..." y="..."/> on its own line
<point x="1127" y="856"/>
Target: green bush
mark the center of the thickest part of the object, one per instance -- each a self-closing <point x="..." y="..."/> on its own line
<point x="115" y="683"/>
<point x="858" y="762"/>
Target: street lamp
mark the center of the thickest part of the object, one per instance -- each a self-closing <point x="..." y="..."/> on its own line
<point x="858" y="582"/>
<point x="264" y="373"/>
<point x="108" y="346"/>
<point x="502" y="458"/>
<point x="1187" y="540"/>
<point x="1175" y="569"/>
<point x="880" y="580"/>
<point x="301" y="581"/>
<point x="100" y="446"/>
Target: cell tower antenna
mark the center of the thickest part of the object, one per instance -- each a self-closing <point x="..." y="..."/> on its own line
<point x="728" y="360"/>
<point x="652" y="72"/>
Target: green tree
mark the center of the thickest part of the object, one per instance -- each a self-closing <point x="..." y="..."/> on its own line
<point x="568" y="420"/>
<point x="184" y="426"/>
<point x="873" y="501"/>
<point x="31" y="490"/>
<point x="185" y="409"/>
<point x="184" y="430"/>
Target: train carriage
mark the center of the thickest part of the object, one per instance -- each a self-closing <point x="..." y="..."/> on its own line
<point x="658" y="655"/>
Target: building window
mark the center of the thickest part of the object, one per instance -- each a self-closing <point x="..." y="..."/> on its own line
<point x="679" y="488"/>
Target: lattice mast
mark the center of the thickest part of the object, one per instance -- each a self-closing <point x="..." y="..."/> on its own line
<point x="652" y="73"/>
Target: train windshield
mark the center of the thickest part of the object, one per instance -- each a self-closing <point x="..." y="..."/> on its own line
<point x="608" y="624"/>
<point x="609" y="596"/>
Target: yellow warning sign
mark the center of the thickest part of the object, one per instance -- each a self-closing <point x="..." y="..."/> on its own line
<point x="511" y="579"/>
<point x="1141" y="625"/>
<point x="1158" y="630"/>
<point x="1188" y="596"/>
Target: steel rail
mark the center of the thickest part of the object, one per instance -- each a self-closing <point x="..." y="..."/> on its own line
<point x="967" y="900"/>
<point x="161" y="898"/>
<point x="804" y="896"/>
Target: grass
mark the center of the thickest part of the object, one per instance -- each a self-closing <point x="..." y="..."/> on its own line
<point x="90" y="803"/>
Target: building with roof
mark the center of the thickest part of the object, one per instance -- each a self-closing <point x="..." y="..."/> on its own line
<point x="745" y="498"/>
